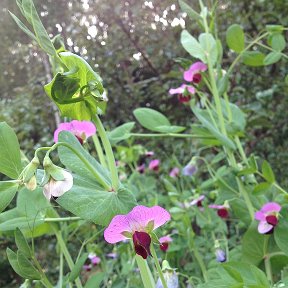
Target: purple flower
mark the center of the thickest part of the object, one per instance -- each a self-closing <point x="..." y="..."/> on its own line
<point x="112" y="255"/>
<point x="193" y="73"/>
<point x="268" y="217"/>
<point x="87" y="267"/>
<point x="137" y="225"/>
<point x="95" y="260"/>
<point x="189" y="170"/>
<point x="149" y="153"/>
<point x="184" y="92"/>
<point x="222" y="210"/>
<point x="165" y="240"/>
<point x="81" y="129"/>
<point x="141" y="168"/>
<point x="174" y="172"/>
<point x="154" y="165"/>
<point x="220" y="255"/>
<point x="198" y="202"/>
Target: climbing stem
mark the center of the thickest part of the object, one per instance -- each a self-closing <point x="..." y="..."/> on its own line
<point x="159" y="270"/>
<point x="267" y="260"/>
<point x="99" y="150"/>
<point x="145" y="272"/>
<point x="108" y="152"/>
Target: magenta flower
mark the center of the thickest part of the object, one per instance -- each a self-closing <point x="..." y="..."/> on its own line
<point x="184" y="92"/>
<point x="137" y="225"/>
<point x="222" y="210"/>
<point x="141" y="168"/>
<point x="198" y="202"/>
<point x="268" y="217"/>
<point x="174" y="172"/>
<point x="165" y="240"/>
<point x="154" y="165"/>
<point x="149" y="153"/>
<point x="95" y="260"/>
<point x="81" y="129"/>
<point x="193" y="73"/>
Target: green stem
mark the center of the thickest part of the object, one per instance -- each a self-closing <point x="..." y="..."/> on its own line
<point x="67" y="256"/>
<point x="44" y="278"/>
<point x="201" y="264"/>
<point x="158" y="135"/>
<point x="267" y="260"/>
<point x="145" y="272"/>
<point x="108" y="151"/>
<point x="159" y="270"/>
<point x="88" y="165"/>
<point x="99" y="150"/>
<point x="63" y="219"/>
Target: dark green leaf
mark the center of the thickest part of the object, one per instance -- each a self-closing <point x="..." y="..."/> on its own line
<point x="27" y="268"/>
<point x="75" y="272"/>
<point x="280" y="231"/>
<point x="22" y="243"/>
<point x="267" y="172"/>
<point x="7" y="192"/>
<point x="10" y="160"/>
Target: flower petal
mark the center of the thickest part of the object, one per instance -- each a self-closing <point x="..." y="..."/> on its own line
<point x="118" y="225"/>
<point x="260" y="216"/>
<point x="178" y="90"/>
<point x="194" y="68"/>
<point x="264" y="227"/>
<point x="271" y="207"/>
<point x="86" y="127"/>
<point x="66" y="126"/>
<point x="142" y="242"/>
<point x="165" y="239"/>
<point x="140" y="216"/>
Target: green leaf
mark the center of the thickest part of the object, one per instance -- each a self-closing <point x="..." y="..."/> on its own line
<point x="235" y="38"/>
<point x="267" y="172"/>
<point x="169" y="129"/>
<point x="253" y="58"/>
<point x="192" y="46"/>
<point x="22" y="26"/>
<point x="278" y="42"/>
<point x="22" y="243"/>
<point x="261" y="188"/>
<point x="87" y="201"/>
<point x="7" y="192"/>
<point x="95" y="280"/>
<point x="120" y="133"/>
<point x="274" y="28"/>
<point x="20" y="222"/>
<point x="12" y="258"/>
<point x="280" y="231"/>
<point x="10" y="160"/>
<point x="192" y="14"/>
<point x="150" y="119"/>
<point x="73" y="162"/>
<point x="27" y="268"/>
<point x="209" y="46"/>
<point x="206" y="121"/>
<point x="75" y="272"/>
<point x="65" y="88"/>
<point x="253" y="245"/>
<point x="272" y="58"/>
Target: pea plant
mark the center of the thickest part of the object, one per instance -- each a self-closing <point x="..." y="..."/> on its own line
<point x="223" y="216"/>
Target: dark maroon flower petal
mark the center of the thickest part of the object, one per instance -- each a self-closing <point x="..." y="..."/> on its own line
<point x="79" y="139"/>
<point x="142" y="242"/>
<point x="223" y="213"/>
<point x="199" y="203"/>
<point x="197" y="78"/>
<point x="272" y="219"/>
<point x="184" y="99"/>
<point x="164" y="246"/>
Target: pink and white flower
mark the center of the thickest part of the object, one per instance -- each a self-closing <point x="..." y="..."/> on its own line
<point x="154" y="165"/>
<point x="81" y="129"/>
<point x="165" y="240"/>
<point x="137" y="225"/>
<point x="174" y="172"/>
<point x="193" y="74"/>
<point x="268" y="217"/>
<point x="184" y="92"/>
<point x="222" y="210"/>
<point x="198" y="202"/>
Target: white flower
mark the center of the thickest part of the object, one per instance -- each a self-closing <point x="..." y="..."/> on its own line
<point x="58" y="188"/>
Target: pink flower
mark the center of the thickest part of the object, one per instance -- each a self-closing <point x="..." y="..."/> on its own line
<point x="95" y="260"/>
<point x="222" y="210"/>
<point x="81" y="129"/>
<point x="268" y="217"/>
<point x="184" y="92"/>
<point x="165" y="240"/>
<point x="137" y="225"/>
<point x="193" y="73"/>
<point x="154" y="165"/>
<point x="174" y="172"/>
<point x="198" y="202"/>
<point x="149" y="153"/>
<point x="141" y="168"/>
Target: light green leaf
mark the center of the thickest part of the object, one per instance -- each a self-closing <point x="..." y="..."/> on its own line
<point x="22" y="243"/>
<point x="169" y="129"/>
<point x="10" y="160"/>
<point x="8" y="190"/>
<point x="280" y="231"/>
<point x="253" y="58"/>
<point x="192" y="14"/>
<point x="27" y="268"/>
<point x="235" y="38"/>
<point x="95" y="280"/>
<point x="272" y="58"/>
<point x="209" y="46"/>
<point x="88" y="202"/>
<point x="192" y="46"/>
<point x="261" y="188"/>
<point x="278" y="42"/>
<point x="120" y="133"/>
<point x="267" y="172"/>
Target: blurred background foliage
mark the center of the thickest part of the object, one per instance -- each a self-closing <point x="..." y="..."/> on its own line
<point x="135" y="47"/>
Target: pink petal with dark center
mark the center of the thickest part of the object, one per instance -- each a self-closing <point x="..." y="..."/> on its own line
<point x="271" y="207"/>
<point x="272" y="219"/>
<point x="142" y="241"/>
<point x="164" y="246"/>
<point x="194" y="69"/>
<point x="178" y="90"/>
<point x="165" y="239"/>
<point x="260" y="216"/>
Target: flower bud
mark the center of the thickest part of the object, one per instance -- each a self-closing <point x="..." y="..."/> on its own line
<point x="170" y="276"/>
<point x="28" y="177"/>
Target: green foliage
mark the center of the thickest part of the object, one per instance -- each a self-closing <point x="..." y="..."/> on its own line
<point x="235" y="38"/>
<point x="120" y="133"/>
<point x="7" y="192"/>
